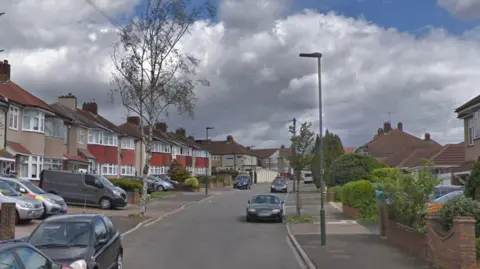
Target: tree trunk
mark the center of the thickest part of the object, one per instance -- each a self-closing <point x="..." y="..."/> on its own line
<point x="146" y="168"/>
<point x="297" y="178"/>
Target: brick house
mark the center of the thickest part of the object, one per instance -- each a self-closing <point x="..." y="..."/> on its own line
<point x="275" y="159"/>
<point x="133" y="148"/>
<point x="196" y="156"/>
<point x="7" y="161"/>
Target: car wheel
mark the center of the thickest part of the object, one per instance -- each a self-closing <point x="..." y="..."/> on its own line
<point x="105" y="203"/>
<point x="119" y="261"/>
<point x="160" y="188"/>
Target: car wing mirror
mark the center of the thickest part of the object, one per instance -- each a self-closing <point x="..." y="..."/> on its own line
<point x="102" y="241"/>
<point x="22" y="190"/>
<point x="283" y="202"/>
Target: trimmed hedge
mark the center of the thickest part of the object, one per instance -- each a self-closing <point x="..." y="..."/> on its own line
<point x="337" y="193"/>
<point x="460" y="207"/>
<point x="361" y="195"/>
<point x="128" y="185"/>
<point x="192" y="182"/>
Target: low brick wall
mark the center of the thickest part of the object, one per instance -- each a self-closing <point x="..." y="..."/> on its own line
<point x="406" y="238"/>
<point x="331" y="197"/>
<point x="351" y="212"/>
<point x="8" y="216"/>
<point x="134" y="197"/>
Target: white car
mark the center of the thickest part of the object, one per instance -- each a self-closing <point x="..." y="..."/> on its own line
<point x="307" y="178"/>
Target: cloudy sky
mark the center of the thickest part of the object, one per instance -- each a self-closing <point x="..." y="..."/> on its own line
<point x="417" y="60"/>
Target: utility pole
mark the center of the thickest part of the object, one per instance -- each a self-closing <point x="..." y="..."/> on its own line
<point x="206" y="152"/>
<point x="294" y="151"/>
<point x="1" y="13"/>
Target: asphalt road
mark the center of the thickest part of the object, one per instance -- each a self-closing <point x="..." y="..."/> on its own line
<point x="212" y="234"/>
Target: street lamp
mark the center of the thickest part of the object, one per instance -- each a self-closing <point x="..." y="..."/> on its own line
<point x="254" y="168"/>
<point x="206" y="141"/>
<point x="318" y="56"/>
<point x="206" y="131"/>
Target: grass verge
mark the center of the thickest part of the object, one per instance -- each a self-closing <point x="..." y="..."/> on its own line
<point x="293" y="218"/>
<point x="160" y="194"/>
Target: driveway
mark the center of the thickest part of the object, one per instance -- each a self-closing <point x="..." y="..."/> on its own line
<point x="212" y="234"/>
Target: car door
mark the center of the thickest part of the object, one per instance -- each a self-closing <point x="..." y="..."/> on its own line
<point x="91" y="191"/>
<point x="115" y="242"/>
<point x="8" y="260"/>
<point x="30" y="258"/>
<point x="102" y="247"/>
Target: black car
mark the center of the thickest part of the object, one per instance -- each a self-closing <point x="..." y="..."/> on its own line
<point x="278" y="185"/>
<point x="167" y="179"/>
<point x="83" y="241"/>
<point x="16" y="254"/>
<point x="242" y="182"/>
<point x="265" y="207"/>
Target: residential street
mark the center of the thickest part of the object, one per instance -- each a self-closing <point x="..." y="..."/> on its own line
<point x="212" y="234"/>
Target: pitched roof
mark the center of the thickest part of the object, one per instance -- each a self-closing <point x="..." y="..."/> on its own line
<point x="17" y="148"/>
<point x="285" y="152"/>
<point x="416" y="157"/>
<point x="265" y="153"/>
<point x="20" y="96"/>
<point x="452" y="154"/>
<point x="466" y="166"/>
<point x="185" y="140"/>
<point x="394" y="142"/>
<point x="349" y="149"/>
<point x="75" y="116"/>
<point x="131" y="130"/>
<point x="396" y="159"/>
<point x="226" y="148"/>
<point x="99" y="120"/>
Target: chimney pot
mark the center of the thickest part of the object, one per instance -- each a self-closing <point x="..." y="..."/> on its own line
<point x="180" y="131"/>
<point x="91" y="107"/>
<point x="135" y="120"/>
<point x="400" y="126"/>
<point x="282" y="146"/>
<point x="427" y="136"/>
<point x="387" y="127"/>
<point x="4" y="71"/>
<point x="248" y="147"/>
<point x="379" y="131"/>
<point x="191" y="138"/>
<point x="161" y="127"/>
<point x="229" y="138"/>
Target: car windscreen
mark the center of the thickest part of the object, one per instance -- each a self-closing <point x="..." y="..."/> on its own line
<point x="307" y="175"/>
<point x="242" y="178"/>
<point x="7" y="190"/>
<point x="279" y="182"/>
<point x="32" y="187"/>
<point x="105" y="180"/>
<point x="266" y="199"/>
<point x="58" y="234"/>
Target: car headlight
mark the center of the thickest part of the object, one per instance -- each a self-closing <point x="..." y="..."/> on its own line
<point x="50" y="200"/>
<point x="27" y="205"/>
<point x="251" y="210"/>
<point x="80" y="264"/>
<point x="117" y="193"/>
<point x="273" y="186"/>
<point x="276" y="211"/>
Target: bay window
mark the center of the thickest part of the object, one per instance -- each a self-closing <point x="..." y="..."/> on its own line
<point x="128" y="143"/>
<point x="30" y="166"/>
<point x="80" y="136"/>
<point x="33" y="120"/>
<point x="52" y="164"/>
<point x="158" y="170"/>
<point x="107" y="169"/>
<point x="13" y="117"/>
<point x="160" y="147"/>
<point x="470" y="131"/>
<point x="55" y="128"/>
<point x="127" y="170"/>
<point x="98" y="137"/>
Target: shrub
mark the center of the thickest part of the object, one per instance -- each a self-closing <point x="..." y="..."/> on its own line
<point x="192" y="182"/>
<point x="360" y="195"/>
<point x="351" y="167"/>
<point x="128" y="185"/>
<point x="380" y="175"/>
<point x="337" y="193"/>
<point x="178" y="173"/>
<point x="472" y="187"/>
<point x="459" y="207"/>
<point x="204" y="179"/>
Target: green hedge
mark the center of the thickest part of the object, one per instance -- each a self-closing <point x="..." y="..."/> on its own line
<point x="192" y="182"/>
<point x="361" y="195"/>
<point x="128" y="185"/>
<point x="460" y="207"/>
<point x="337" y="193"/>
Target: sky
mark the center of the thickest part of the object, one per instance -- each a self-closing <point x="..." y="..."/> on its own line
<point x="400" y="60"/>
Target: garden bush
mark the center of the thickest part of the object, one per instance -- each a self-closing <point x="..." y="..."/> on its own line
<point x="360" y="195"/>
<point x="351" y="167"/>
<point x="192" y="182"/>
<point x="128" y="185"/>
<point x="178" y="173"/>
<point x="337" y="193"/>
<point x="459" y="207"/>
<point x="380" y="175"/>
<point x="472" y="187"/>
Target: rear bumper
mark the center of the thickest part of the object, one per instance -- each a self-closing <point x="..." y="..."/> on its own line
<point x="285" y="190"/>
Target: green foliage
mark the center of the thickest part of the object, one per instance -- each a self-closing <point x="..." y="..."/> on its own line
<point x="337" y="193"/>
<point x="192" y="182"/>
<point x="361" y="195"/>
<point x="380" y="175"/>
<point x="302" y="143"/>
<point x="332" y="148"/>
<point x="178" y="173"/>
<point x="477" y="247"/>
<point x="292" y="218"/>
<point x="127" y="184"/>
<point x="408" y="197"/>
<point x="472" y="187"/>
<point x="459" y="207"/>
<point x="351" y="167"/>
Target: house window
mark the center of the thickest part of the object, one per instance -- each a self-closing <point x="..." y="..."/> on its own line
<point x="55" y="128"/>
<point x="33" y="120"/>
<point x="476" y="123"/>
<point x="52" y="164"/>
<point x="128" y="143"/>
<point x="81" y="136"/>
<point x="127" y="170"/>
<point x="102" y="138"/>
<point x="13" y="117"/>
<point x="158" y="170"/>
<point x="470" y="133"/>
<point x="30" y="167"/>
<point x="108" y="169"/>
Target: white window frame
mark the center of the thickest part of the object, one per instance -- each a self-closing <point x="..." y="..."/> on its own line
<point x="98" y="137"/>
<point x="13" y="115"/>
<point x="31" y="162"/>
<point x="127" y="170"/>
<point x="58" y="128"/>
<point x="470" y="131"/>
<point x="127" y="143"/>
<point x="107" y="169"/>
<point x="476" y="124"/>
<point x="40" y="116"/>
<point x="54" y="164"/>
<point x="81" y="136"/>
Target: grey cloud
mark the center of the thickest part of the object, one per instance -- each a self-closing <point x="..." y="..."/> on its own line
<point x="465" y="9"/>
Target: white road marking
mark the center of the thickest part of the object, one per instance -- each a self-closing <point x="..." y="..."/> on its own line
<point x="341" y="222"/>
<point x="295" y="253"/>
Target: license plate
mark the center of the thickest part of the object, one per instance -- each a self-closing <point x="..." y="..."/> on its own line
<point x="264" y="214"/>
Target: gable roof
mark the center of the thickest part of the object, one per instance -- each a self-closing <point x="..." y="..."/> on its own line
<point x="451" y="155"/>
<point x="416" y="157"/>
<point x="99" y="120"/>
<point x="17" y="94"/>
<point x="265" y="153"/>
<point x="185" y="140"/>
<point x="131" y="130"/>
<point x="75" y="116"/>
<point x="226" y="148"/>
<point x="394" y="142"/>
<point x="349" y="149"/>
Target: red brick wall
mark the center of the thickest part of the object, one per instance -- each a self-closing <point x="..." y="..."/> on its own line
<point x="406" y="238"/>
<point x="351" y="212"/>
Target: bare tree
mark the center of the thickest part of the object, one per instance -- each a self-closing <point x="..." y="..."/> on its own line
<point x="152" y="73"/>
<point x="302" y="143"/>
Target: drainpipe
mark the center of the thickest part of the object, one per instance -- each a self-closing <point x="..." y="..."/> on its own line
<point x="5" y="125"/>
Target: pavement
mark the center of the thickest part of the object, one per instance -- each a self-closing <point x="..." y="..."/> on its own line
<point x="212" y="234"/>
<point x="349" y="244"/>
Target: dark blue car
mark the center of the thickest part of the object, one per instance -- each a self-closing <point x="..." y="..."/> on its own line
<point x="242" y="182"/>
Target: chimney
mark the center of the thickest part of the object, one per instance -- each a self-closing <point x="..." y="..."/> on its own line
<point x="387" y="127"/>
<point x="4" y="71"/>
<point x="91" y="107"/>
<point x="135" y="120"/>
<point x="400" y="126"/>
<point x="229" y="138"/>
<point x="379" y="131"/>
<point x="427" y="137"/>
<point x="248" y="147"/>
<point x="69" y="100"/>
<point x="161" y="126"/>
<point x="191" y="138"/>
<point x="180" y="131"/>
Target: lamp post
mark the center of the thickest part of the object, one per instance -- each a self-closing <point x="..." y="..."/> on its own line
<point x="206" y="141"/>
<point x="254" y="170"/>
<point x="318" y="56"/>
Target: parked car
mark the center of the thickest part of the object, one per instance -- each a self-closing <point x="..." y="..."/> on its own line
<point x="265" y="207"/>
<point x="85" y="241"/>
<point x="243" y="182"/>
<point x="81" y="188"/>
<point x="27" y="208"/>
<point x="167" y="179"/>
<point x="16" y="254"/>
<point x="435" y="205"/>
<point x="53" y="204"/>
<point x="161" y="184"/>
<point x="278" y="185"/>
<point x="307" y="177"/>
<point x="441" y="190"/>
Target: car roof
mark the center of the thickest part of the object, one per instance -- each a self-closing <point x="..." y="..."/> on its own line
<point x="74" y="218"/>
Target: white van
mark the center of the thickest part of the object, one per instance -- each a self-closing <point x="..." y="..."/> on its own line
<point x="307" y="176"/>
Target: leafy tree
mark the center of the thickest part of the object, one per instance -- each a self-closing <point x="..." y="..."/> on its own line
<point x="178" y="173"/>
<point x="332" y="148"/>
<point x="384" y="174"/>
<point x="152" y="74"/>
<point x="472" y="187"/>
<point x="351" y="167"/>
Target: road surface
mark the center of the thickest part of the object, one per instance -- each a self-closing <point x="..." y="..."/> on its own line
<point x="212" y="234"/>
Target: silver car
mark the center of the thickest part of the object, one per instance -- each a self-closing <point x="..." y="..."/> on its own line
<point x="52" y="203"/>
<point x="27" y="208"/>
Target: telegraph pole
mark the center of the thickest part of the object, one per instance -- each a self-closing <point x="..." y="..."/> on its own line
<point x="294" y="150"/>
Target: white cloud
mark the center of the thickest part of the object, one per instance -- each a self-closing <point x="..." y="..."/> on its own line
<point x="466" y="9"/>
<point x="258" y="82"/>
